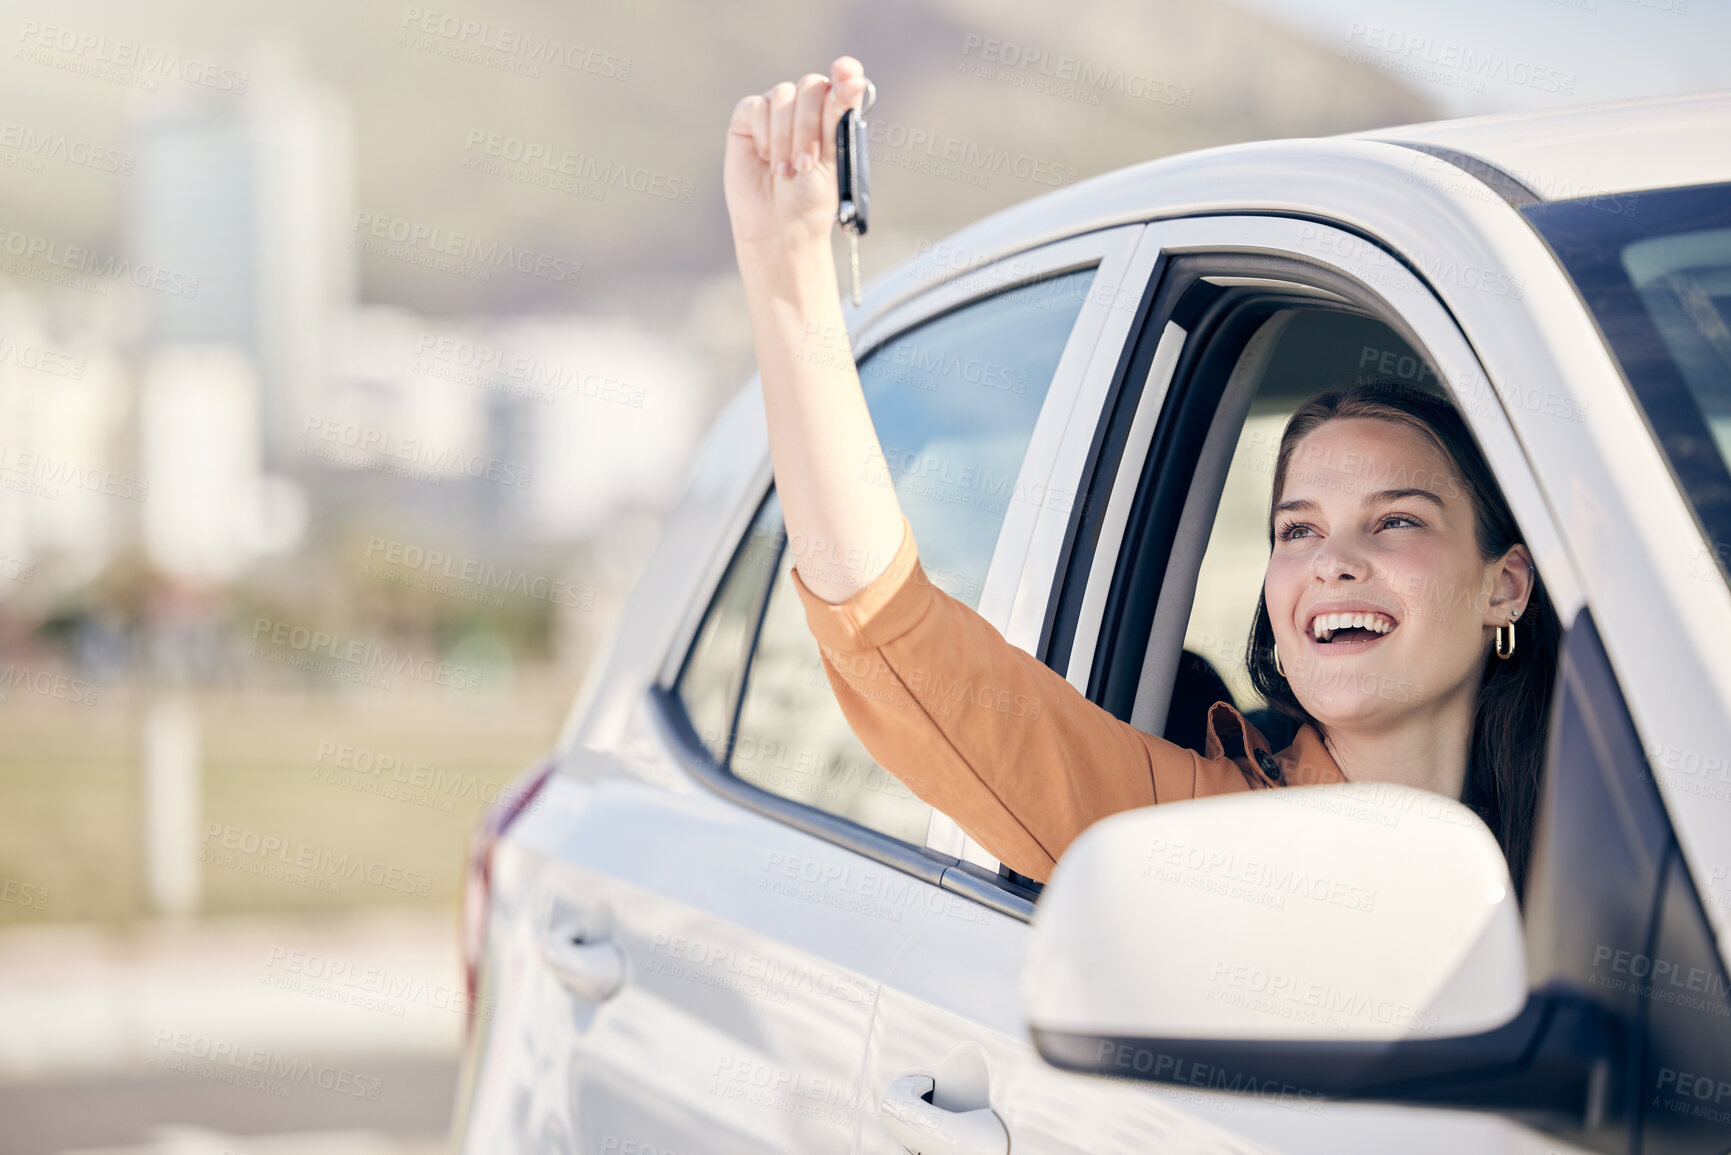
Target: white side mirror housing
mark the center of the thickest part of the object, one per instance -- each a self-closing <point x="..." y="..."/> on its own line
<point x="1362" y="913"/>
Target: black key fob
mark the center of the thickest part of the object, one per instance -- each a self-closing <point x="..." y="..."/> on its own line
<point x="852" y="172"/>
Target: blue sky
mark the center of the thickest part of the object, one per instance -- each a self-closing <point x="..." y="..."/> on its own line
<point x="1526" y="53"/>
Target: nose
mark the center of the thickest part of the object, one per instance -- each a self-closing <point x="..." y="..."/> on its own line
<point x="1340" y="559"/>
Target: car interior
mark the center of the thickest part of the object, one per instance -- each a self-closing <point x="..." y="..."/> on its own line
<point x="1189" y="570"/>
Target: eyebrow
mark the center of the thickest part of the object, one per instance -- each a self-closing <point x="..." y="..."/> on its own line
<point x="1370" y="499"/>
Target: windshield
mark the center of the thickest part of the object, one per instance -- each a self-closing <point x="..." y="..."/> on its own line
<point x="1655" y="270"/>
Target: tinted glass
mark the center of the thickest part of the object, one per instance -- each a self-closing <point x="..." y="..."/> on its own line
<point x="1655" y="270"/>
<point x="954" y="402"/>
<point x="714" y="671"/>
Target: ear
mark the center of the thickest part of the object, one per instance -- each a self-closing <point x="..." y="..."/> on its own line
<point x="1512" y="581"/>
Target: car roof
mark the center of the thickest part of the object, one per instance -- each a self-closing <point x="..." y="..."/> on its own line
<point x="1559" y="154"/>
<point x="1594" y="149"/>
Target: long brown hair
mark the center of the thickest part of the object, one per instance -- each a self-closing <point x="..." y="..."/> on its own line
<point x="1506" y="753"/>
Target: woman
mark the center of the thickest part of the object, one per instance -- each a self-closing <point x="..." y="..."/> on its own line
<point x="1386" y="627"/>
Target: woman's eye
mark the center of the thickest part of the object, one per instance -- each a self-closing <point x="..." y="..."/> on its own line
<point x="1412" y="521"/>
<point x="1290" y="530"/>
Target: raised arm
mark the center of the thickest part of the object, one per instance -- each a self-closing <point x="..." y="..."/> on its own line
<point x="974" y="725"/>
<point x="843" y="523"/>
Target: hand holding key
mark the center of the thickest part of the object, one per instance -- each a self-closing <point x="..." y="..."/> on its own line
<point x="780" y="170"/>
<point x="781" y="179"/>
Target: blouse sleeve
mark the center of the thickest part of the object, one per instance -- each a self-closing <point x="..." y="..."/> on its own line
<point x="977" y="727"/>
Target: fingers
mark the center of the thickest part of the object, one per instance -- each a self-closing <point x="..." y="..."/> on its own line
<point x="741" y="127"/>
<point x="781" y="127"/>
<point x="847" y="86"/>
<point x="847" y="79"/>
<point x="789" y="119"/>
<point x="808" y="121"/>
<point x="760" y="126"/>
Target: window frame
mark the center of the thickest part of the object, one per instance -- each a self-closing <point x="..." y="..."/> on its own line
<point x="1301" y="262"/>
<point x="949" y="859"/>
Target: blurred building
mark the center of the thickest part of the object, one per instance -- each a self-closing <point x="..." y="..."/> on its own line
<point x="251" y="196"/>
<point x="66" y="491"/>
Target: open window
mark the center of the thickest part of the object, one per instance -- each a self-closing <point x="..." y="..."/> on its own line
<point x="1155" y="612"/>
<point x="1153" y="615"/>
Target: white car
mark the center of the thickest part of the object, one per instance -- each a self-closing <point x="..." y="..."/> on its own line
<point x="714" y="925"/>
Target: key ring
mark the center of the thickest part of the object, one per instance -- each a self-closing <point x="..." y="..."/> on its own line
<point x="871" y="98"/>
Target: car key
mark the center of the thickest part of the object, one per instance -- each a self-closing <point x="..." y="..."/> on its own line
<point x="853" y="179"/>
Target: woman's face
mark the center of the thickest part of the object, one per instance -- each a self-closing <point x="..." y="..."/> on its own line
<point x="1374" y="519"/>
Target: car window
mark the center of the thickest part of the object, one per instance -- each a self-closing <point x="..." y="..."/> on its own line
<point x="954" y="402"/>
<point x="714" y="673"/>
<point x="1659" y="286"/>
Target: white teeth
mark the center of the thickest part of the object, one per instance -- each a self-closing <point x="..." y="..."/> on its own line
<point x="1324" y="625"/>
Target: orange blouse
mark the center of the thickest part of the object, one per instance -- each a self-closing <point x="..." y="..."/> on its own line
<point x="999" y="741"/>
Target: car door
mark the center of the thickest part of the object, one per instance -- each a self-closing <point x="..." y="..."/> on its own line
<point x="1151" y="472"/>
<point x="686" y="935"/>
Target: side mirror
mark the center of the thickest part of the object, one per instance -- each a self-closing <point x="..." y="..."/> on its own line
<point x="1349" y="941"/>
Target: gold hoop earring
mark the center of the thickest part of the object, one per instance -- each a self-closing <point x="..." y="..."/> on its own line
<point x="1510" y="652"/>
<point x="1277" y="665"/>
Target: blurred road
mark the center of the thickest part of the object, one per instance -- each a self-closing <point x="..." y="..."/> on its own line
<point x="183" y="1114"/>
<point x="282" y="1036"/>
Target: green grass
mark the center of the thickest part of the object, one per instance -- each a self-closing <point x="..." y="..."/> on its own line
<point x="71" y="794"/>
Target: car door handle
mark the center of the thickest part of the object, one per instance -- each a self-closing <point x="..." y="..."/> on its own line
<point x="925" y="1129"/>
<point x="593" y="969"/>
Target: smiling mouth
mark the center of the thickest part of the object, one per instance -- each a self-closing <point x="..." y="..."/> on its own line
<point x="1348" y="638"/>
